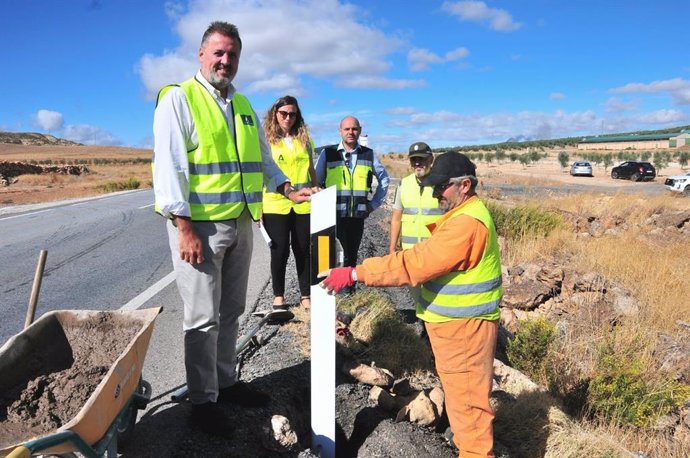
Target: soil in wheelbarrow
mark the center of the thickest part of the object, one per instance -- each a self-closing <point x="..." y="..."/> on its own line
<point x="59" y="391"/>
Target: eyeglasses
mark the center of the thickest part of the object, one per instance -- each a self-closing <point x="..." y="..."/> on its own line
<point x="287" y="114"/>
<point x="419" y="160"/>
<point x="441" y="188"/>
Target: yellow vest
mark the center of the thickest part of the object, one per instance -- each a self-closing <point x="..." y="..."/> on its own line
<point x="352" y="189"/>
<point x="294" y="162"/>
<point x="225" y="175"/>
<point x="419" y="210"/>
<point x="473" y="293"/>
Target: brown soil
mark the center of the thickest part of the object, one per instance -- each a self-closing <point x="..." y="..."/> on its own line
<point x="107" y="164"/>
<point x="44" y="403"/>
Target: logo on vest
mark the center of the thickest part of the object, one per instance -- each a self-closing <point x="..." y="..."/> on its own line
<point x="247" y="120"/>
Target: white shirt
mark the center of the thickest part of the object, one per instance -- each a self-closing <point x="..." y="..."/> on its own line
<point x="174" y="134"/>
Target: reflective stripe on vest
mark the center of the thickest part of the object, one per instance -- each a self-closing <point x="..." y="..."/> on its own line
<point x="419" y="210"/>
<point x="294" y="163"/>
<point x="474" y="293"/>
<point x="351" y="188"/>
<point x="225" y="175"/>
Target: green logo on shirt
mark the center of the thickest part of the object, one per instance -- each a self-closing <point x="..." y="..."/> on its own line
<point x="247" y="120"/>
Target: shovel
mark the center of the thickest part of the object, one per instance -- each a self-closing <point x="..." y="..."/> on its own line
<point x="267" y="316"/>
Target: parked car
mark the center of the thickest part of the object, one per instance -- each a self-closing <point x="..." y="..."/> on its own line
<point x="679" y="183"/>
<point x="636" y="171"/>
<point x="581" y="168"/>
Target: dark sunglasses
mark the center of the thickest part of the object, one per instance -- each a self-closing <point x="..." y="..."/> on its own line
<point x="419" y="160"/>
<point x="287" y="114"/>
<point x="440" y="189"/>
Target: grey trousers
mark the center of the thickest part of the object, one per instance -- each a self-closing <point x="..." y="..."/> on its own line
<point x="214" y="294"/>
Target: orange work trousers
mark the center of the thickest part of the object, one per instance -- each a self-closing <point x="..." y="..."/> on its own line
<point x="464" y="354"/>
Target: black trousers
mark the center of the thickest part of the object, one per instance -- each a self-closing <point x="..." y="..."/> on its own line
<point x="349" y="232"/>
<point x="285" y="231"/>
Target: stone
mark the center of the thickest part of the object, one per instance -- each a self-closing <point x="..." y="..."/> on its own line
<point x="526" y="295"/>
<point x="438" y="398"/>
<point x="369" y="375"/>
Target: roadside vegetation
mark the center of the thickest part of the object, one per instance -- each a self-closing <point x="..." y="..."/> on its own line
<point x="606" y="386"/>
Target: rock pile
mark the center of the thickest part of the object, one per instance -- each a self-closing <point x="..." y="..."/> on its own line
<point x="10" y="170"/>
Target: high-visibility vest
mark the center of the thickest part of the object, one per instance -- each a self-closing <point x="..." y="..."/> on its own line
<point x="352" y="188"/>
<point x="473" y="293"/>
<point x="294" y="162"/>
<point x="419" y="210"/>
<point x="225" y="174"/>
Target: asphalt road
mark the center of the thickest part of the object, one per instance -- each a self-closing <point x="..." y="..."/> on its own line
<point x="105" y="253"/>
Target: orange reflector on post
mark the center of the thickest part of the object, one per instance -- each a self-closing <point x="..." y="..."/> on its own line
<point x="324" y="253"/>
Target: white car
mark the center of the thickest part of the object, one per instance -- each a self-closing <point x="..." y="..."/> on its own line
<point x="581" y="168"/>
<point x="679" y="183"/>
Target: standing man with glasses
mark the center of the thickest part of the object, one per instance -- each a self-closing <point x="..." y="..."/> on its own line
<point x="211" y="161"/>
<point x="459" y="270"/>
<point x="351" y="167"/>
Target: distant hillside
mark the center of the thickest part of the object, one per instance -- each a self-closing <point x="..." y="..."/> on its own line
<point x="512" y="144"/>
<point x="32" y="138"/>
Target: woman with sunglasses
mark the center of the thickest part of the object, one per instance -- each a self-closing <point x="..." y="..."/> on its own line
<point x="287" y="223"/>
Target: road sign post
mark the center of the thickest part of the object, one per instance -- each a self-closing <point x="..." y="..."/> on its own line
<point x="323" y="257"/>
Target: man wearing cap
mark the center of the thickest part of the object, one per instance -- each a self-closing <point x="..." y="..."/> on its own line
<point x="459" y="270"/>
<point x="414" y="206"/>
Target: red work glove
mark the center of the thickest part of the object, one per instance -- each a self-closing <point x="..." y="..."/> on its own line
<point x="338" y="278"/>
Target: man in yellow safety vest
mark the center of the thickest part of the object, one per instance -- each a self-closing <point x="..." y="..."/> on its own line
<point x="211" y="160"/>
<point x="459" y="270"/>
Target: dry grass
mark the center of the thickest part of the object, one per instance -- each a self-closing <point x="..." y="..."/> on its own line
<point x="30" y="189"/>
<point x="389" y="342"/>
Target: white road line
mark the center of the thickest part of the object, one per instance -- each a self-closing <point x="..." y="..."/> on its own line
<point x="25" y="214"/>
<point x="149" y="293"/>
<point x="146" y="206"/>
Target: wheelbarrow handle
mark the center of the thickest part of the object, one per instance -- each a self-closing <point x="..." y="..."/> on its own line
<point x="38" y="277"/>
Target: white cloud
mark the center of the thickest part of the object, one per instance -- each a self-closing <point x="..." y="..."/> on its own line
<point x="419" y="58"/>
<point x="475" y="11"/>
<point x="285" y="84"/>
<point x="677" y="88"/>
<point x="326" y="40"/>
<point x="614" y="105"/>
<point x="557" y="96"/>
<point x="377" y="82"/>
<point x="661" y="117"/>
<point x="49" y="120"/>
<point x="90" y="135"/>
<point x="401" y="110"/>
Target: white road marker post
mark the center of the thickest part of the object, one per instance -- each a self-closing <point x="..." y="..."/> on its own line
<point x="323" y="257"/>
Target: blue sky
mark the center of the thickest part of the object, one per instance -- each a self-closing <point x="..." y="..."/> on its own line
<point x="445" y="72"/>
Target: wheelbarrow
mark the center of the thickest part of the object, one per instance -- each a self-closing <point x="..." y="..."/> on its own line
<point x="110" y="411"/>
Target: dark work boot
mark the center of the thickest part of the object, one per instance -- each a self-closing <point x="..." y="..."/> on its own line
<point x="210" y="418"/>
<point x="243" y="395"/>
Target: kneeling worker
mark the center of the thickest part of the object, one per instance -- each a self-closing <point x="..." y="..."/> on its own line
<point x="459" y="270"/>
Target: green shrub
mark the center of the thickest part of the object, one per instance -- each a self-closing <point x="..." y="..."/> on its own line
<point x="529" y="350"/>
<point x="112" y="186"/>
<point x="563" y="158"/>
<point x="620" y="392"/>
<point x="523" y="221"/>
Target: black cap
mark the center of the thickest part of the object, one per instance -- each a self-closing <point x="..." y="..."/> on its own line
<point x="449" y="165"/>
<point x="420" y="149"/>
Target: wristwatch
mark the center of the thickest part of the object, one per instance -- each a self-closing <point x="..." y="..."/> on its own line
<point x="289" y="190"/>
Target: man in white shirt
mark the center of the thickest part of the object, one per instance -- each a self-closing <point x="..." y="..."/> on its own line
<point x="210" y="162"/>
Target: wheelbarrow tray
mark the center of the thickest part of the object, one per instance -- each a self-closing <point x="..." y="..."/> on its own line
<point x="24" y="354"/>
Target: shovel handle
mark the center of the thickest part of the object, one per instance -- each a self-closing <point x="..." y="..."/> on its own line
<point x="35" y="289"/>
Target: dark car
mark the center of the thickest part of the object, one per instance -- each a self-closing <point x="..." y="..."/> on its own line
<point x="636" y="171"/>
